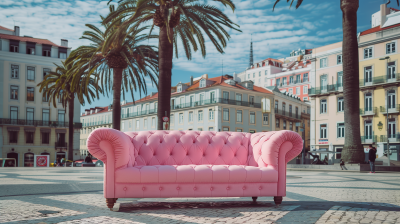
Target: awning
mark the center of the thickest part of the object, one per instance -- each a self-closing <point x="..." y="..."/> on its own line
<point x="13" y="129"/>
<point x="61" y="130"/>
<point x="45" y="130"/>
<point x="30" y="129"/>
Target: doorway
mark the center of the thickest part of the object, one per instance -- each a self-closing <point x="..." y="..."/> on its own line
<point x="59" y="156"/>
<point x="13" y="155"/>
<point x="28" y="159"/>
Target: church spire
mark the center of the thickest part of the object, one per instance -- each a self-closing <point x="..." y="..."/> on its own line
<point x="251" y="52"/>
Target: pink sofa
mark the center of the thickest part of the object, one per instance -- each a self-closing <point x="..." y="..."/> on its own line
<point x="166" y="164"/>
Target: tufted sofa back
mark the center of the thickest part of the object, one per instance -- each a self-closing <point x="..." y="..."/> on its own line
<point x="189" y="147"/>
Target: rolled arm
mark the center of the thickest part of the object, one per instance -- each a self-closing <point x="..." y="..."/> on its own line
<point x="107" y="142"/>
<point x="271" y="148"/>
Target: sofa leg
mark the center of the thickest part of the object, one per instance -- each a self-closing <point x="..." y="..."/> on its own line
<point x="254" y="199"/>
<point x="110" y="203"/>
<point x="115" y="200"/>
<point x="278" y="200"/>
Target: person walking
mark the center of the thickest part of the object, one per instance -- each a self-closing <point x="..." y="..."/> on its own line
<point x="372" y="157"/>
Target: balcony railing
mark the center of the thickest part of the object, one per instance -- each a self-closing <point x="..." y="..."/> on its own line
<point x="368" y="138"/>
<point x="7" y="121"/>
<point x="287" y="114"/>
<point x="379" y="80"/>
<point x="393" y="109"/>
<point x="326" y="89"/>
<point x="60" y="145"/>
<point x="368" y="111"/>
<point x="392" y="138"/>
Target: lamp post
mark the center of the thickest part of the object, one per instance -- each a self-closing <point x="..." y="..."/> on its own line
<point x="387" y="58"/>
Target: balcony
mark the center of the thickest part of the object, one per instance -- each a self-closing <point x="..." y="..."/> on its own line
<point x="326" y="89"/>
<point x="22" y="122"/>
<point x="392" y="138"/>
<point x="393" y="110"/>
<point x="379" y="80"/>
<point x="368" y="111"/>
<point x="287" y="115"/>
<point x="368" y="139"/>
<point x="60" y="144"/>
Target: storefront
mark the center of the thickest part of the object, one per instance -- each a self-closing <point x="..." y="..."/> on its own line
<point x="394" y="151"/>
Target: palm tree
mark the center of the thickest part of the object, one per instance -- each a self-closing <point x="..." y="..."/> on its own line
<point x="120" y="59"/>
<point x="57" y="86"/>
<point x="186" y="19"/>
<point x="352" y="150"/>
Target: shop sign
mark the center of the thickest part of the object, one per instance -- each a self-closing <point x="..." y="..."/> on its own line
<point x="323" y="141"/>
<point x="42" y="160"/>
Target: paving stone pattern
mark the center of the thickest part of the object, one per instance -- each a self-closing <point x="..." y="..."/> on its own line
<point x="74" y="195"/>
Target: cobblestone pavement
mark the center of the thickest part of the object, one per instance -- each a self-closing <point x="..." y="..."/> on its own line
<point x="74" y="195"/>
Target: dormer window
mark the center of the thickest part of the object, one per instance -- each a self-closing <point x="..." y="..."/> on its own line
<point x="30" y="48"/>
<point x="179" y="89"/>
<point x="46" y="52"/>
<point x="202" y="83"/>
<point x="14" y="46"/>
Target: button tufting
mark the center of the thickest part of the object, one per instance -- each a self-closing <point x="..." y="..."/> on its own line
<point x="228" y="188"/>
<point x="211" y="188"/>
<point x="125" y="188"/>
<point x="178" y="188"/>
<point x="244" y="188"/>
<point x="160" y="188"/>
<point x="143" y="188"/>
<point x="260" y="188"/>
<point x="195" y="188"/>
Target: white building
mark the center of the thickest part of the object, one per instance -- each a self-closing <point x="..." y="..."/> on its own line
<point x="28" y="124"/>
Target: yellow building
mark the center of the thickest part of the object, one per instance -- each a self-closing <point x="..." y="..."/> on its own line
<point x="379" y="81"/>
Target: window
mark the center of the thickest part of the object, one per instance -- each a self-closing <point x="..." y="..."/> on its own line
<point x="276" y="107"/>
<point x="392" y="127"/>
<point x="239" y="130"/>
<point x="202" y="83"/>
<point x="338" y="155"/>
<point x="284" y="83"/>
<point x="339" y="59"/>
<point x="290" y="80"/>
<point x="30" y="93"/>
<point x="212" y="97"/>
<point x="238" y="97"/>
<point x="30" y="50"/>
<point x="14" y="48"/>
<point x="368" y="74"/>
<point x="179" y="89"/>
<point x="297" y="112"/>
<point x="60" y="95"/>
<point x="225" y="129"/>
<point x="391" y="70"/>
<point x="278" y="82"/>
<point x="45" y="117"/>
<point x="254" y="75"/>
<point x="277" y="122"/>
<point x="210" y="114"/>
<point x="239" y="116"/>
<point x="259" y="81"/>
<point x="390" y="48"/>
<point x="305" y="77"/>
<point x="200" y="115"/>
<point x="251" y="100"/>
<point x="340" y="104"/>
<point x="13" y="136"/>
<point x="200" y="129"/>
<point x="31" y="73"/>
<point x="340" y="79"/>
<point x="284" y="124"/>
<point x="45" y="138"/>
<point x="391" y="100"/>
<point x="323" y="106"/>
<point x="63" y="55"/>
<point x="266" y="72"/>
<point x="29" y="136"/>
<point x="265" y="119"/>
<point x="323" y="62"/>
<point x="181" y="118"/>
<point x="14" y="114"/>
<point x="248" y="76"/>
<point x="29" y="116"/>
<point x="14" y="71"/>
<point x="368" y="52"/>
<point x="252" y="117"/>
<point x="259" y="74"/>
<point x="368" y="129"/>
<point x="138" y="124"/>
<point x="191" y="116"/>
<point x="297" y="129"/>
<point x="201" y="99"/>
<point x="266" y="79"/>
<point x="225" y="96"/>
<point x="323" y="130"/>
<point x="291" y="91"/>
<point x="283" y="108"/>
<point x="211" y="128"/>
<point x="305" y="89"/>
<point x="291" y="126"/>
<point x="298" y="78"/>
<point x="61" y="116"/>
<point x="47" y="53"/>
<point x="252" y="131"/>
<point x="46" y="71"/>
<point x="368" y="102"/>
<point x="340" y="130"/>
<point x="290" y="110"/>
<point x="14" y="93"/>
<point x="226" y="114"/>
<point x="145" y="123"/>
<point x="297" y="90"/>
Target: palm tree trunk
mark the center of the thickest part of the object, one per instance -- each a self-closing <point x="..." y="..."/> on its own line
<point x="116" y="107"/>
<point x="165" y="54"/>
<point x="352" y="150"/>
<point x="71" y="128"/>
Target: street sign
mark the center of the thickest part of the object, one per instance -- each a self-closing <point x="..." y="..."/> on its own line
<point x="165" y="119"/>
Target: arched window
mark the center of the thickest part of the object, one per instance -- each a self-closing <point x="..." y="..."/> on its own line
<point x="28" y="159"/>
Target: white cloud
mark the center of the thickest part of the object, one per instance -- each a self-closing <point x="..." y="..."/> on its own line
<point x="329" y="32"/>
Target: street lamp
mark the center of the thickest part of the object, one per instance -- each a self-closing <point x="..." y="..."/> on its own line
<point x="380" y="126"/>
<point x="387" y="58"/>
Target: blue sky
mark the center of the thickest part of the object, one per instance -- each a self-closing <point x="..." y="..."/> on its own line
<point x="275" y="34"/>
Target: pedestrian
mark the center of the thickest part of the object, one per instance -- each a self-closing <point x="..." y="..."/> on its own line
<point x="372" y="157"/>
<point x="342" y="165"/>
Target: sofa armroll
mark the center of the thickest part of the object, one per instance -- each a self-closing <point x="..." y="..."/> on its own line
<point x="107" y="142"/>
<point x="271" y="148"/>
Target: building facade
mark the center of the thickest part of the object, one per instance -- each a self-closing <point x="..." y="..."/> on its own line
<point x="28" y="124"/>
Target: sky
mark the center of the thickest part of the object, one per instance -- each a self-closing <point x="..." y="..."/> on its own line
<point x="274" y="33"/>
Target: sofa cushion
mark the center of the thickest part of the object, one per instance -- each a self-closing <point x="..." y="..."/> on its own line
<point x="196" y="174"/>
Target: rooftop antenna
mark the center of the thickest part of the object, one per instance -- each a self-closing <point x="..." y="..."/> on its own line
<point x="251" y="52"/>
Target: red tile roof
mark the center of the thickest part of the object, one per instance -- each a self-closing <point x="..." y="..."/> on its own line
<point x="29" y="39"/>
<point x="394" y="9"/>
<point x="3" y="28"/>
<point x="377" y="29"/>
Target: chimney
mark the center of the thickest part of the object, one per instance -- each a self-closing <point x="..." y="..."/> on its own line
<point x="191" y="80"/>
<point x="384" y="12"/>
<point x="205" y="76"/>
<point x="16" y="30"/>
<point x="64" y="42"/>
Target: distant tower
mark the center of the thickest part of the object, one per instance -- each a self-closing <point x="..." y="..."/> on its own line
<point x="251" y="52"/>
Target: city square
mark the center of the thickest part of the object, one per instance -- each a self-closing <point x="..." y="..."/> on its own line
<point x="74" y="195"/>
